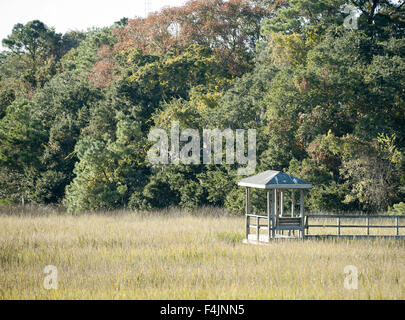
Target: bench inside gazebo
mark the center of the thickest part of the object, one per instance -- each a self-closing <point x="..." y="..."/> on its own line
<point x="277" y="221"/>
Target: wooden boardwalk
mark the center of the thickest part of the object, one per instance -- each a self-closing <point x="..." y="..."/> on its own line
<point x="340" y="226"/>
<point x="353" y="237"/>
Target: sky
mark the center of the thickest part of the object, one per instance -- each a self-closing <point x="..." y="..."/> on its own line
<point x="65" y="15"/>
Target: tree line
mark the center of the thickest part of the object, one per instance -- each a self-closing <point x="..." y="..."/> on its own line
<point x="327" y="103"/>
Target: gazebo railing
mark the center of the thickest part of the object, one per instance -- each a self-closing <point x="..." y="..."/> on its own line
<point x="281" y="224"/>
<point x="256" y="224"/>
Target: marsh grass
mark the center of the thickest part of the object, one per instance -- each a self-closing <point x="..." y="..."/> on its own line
<point x="182" y="254"/>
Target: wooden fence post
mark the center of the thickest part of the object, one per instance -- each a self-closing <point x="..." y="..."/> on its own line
<point x="368" y="226"/>
<point x="397" y="225"/>
<point x="338" y="230"/>
<point x="306" y="229"/>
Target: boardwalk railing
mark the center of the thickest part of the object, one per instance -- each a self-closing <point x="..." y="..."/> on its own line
<point x="368" y="226"/>
<point x="256" y="224"/>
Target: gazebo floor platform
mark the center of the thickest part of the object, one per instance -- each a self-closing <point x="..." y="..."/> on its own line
<point x="264" y="239"/>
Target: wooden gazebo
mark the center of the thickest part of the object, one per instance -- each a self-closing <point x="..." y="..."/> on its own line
<point x="276" y="183"/>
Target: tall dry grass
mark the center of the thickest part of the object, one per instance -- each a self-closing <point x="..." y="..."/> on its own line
<point x="182" y="255"/>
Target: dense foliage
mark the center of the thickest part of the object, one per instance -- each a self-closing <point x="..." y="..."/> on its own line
<point x="327" y="101"/>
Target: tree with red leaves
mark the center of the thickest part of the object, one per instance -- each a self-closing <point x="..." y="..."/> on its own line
<point x="230" y="28"/>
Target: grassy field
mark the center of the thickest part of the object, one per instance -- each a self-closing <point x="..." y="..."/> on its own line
<point x="180" y="255"/>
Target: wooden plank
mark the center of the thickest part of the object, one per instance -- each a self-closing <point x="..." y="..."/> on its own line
<point x="260" y="227"/>
<point x="295" y="220"/>
<point x="297" y="225"/>
<point x="283" y="227"/>
<point x="257" y="216"/>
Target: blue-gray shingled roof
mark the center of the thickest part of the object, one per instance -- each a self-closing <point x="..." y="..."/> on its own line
<point x="274" y="180"/>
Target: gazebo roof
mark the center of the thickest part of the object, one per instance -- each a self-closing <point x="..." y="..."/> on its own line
<point x="274" y="180"/>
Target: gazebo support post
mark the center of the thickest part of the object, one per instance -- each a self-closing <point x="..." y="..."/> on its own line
<point x="247" y="213"/>
<point x="275" y="213"/>
<point x="292" y="203"/>
<point x="270" y="225"/>
<point x="282" y="207"/>
<point x="302" y="207"/>
<point x="293" y="206"/>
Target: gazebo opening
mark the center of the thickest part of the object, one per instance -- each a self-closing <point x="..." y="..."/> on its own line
<point x="278" y="220"/>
